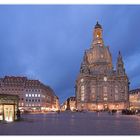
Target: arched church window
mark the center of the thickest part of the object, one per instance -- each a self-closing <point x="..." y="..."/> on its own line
<point x="116" y="97"/>
<point x="92" y="89"/>
<point x="116" y="89"/>
<point x="105" y="89"/>
<point x="82" y="93"/>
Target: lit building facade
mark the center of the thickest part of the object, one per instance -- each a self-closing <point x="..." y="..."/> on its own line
<point x="33" y="95"/>
<point x="98" y="85"/>
<point x="56" y="104"/>
<point x="134" y="98"/>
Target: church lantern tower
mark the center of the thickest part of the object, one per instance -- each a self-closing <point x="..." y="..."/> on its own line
<point x="97" y="35"/>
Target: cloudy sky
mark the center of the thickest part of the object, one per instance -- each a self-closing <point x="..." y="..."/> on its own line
<point x="48" y="42"/>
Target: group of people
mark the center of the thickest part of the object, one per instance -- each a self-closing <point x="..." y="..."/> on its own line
<point x="112" y="111"/>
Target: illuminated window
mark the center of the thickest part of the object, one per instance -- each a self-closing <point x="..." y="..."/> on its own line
<point x="82" y="80"/>
<point x="82" y="89"/>
<point x="43" y="96"/>
<point x="32" y="95"/>
<point x="82" y="93"/>
<point x="82" y="97"/>
<point x="105" y="99"/>
<point x="97" y="35"/>
<point x="38" y="95"/>
<point x="35" y="95"/>
<point x="26" y="95"/>
<point x="29" y="95"/>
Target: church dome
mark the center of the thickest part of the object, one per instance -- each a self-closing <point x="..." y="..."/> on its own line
<point x="98" y="55"/>
<point x="98" y="25"/>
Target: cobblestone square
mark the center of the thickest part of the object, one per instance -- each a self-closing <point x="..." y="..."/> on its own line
<point x="68" y="123"/>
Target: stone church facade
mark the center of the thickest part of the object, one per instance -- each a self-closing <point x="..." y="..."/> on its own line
<point x="98" y="85"/>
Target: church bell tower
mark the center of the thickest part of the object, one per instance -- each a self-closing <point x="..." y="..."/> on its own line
<point x="120" y="65"/>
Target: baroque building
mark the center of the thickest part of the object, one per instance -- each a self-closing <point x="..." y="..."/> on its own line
<point x="98" y="85"/>
<point x="33" y="94"/>
<point x="134" y="98"/>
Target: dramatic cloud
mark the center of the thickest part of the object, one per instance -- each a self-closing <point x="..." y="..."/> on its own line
<point x="47" y="42"/>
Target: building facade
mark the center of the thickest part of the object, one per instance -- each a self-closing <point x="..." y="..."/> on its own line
<point x="98" y="85"/>
<point x="134" y="98"/>
<point x="33" y="95"/>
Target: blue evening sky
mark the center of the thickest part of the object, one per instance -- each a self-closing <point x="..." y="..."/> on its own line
<point x="47" y="42"/>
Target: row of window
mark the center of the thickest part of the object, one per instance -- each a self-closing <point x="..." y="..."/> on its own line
<point x="32" y="100"/>
<point x="32" y="104"/>
<point x="32" y="95"/>
<point x="105" y="98"/>
<point x="11" y="89"/>
<point x="93" y="89"/>
<point x="33" y="90"/>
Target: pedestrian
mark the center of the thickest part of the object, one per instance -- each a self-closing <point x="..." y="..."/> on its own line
<point x="18" y="114"/>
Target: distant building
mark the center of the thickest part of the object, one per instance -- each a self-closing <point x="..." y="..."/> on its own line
<point x="63" y="106"/>
<point x="8" y="107"/>
<point x="33" y="95"/>
<point x="98" y="85"/>
<point x="134" y="98"/>
<point x="69" y="104"/>
<point x="56" y="104"/>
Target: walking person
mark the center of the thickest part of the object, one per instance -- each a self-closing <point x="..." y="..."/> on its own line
<point x="18" y="115"/>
